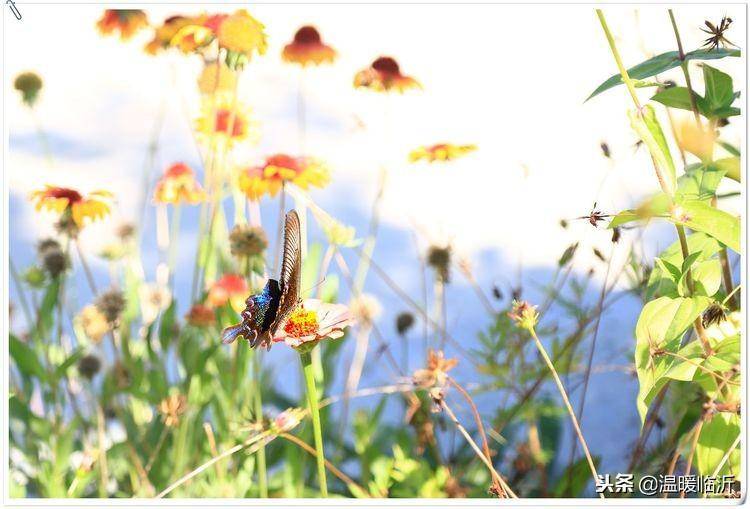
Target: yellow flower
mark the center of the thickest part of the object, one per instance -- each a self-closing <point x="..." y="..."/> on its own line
<point x="696" y="140"/>
<point x="178" y="185"/>
<point x="125" y="21"/>
<point x="384" y="75"/>
<point x="227" y="121"/>
<point x="278" y="170"/>
<point x="93" y="322"/>
<point x="243" y="34"/>
<point x="216" y="78"/>
<point x="308" y="48"/>
<point x="69" y="203"/>
<point x="440" y="152"/>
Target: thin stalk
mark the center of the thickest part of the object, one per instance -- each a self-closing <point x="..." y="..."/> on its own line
<point x="330" y="466"/>
<point x="569" y="407"/>
<point x="21" y="294"/>
<point x="258" y="400"/>
<point x="103" y="470"/>
<point x="173" y="236"/>
<point x="495" y="475"/>
<point x="691" y="454"/>
<point x="684" y="67"/>
<point x="724" y="459"/>
<point x="312" y="398"/>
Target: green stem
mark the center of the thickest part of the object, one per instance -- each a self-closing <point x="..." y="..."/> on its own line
<point x="566" y="400"/>
<point x="173" y="236"/>
<point x="684" y="66"/>
<point x="623" y="72"/>
<point x="262" y="474"/>
<point x="312" y="400"/>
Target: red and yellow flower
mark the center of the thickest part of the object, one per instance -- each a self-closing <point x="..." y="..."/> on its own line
<point x="440" y="152"/>
<point x="125" y="21"/>
<point x="312" y="321"/>
<point x="201" y="315"/>
<point x="179" y="185"/>
<point x="227" y="120"/>
<point x="70" y="203"/>
<point x="279" y="170"/>
<point x="164" y="34"/>
<point x="308" y="48"/>
<point x="231" y="288"/>
<point x="384" y="75"/>
<point x="198" y="33"/>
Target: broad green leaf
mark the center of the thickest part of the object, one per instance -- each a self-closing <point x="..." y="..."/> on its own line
<point x="700" y="216"/>
<point x="719" y="92"/>
<point x="661" y="324"/>
<point x="26" y="359"/>
<point x="717" y="436"/>
<point x="679" y="97"/>
<point x="706" y="279"/>
<point x="664" y="62"/>
<point x="62" y="369"/>
<point x="657" y="205"/>
<point x="646" y="125"/>
<point x="730" y="166"/>
<point x="700" y="181"/>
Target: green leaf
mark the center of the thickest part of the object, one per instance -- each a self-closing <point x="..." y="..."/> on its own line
<point x="167" y="326"/>
<point x="25" y="359"/>
<point x="664" y="62"/>
<point x="729" y="148"/>
<point x="62" y="369"/>
<point x="700" y="181"/>
<point x="679" y="97"/>
<point x="646" y="125"/>
<point x="706" y="279"/>
<point x="661" y="324"/>
<point x="717" y="436"/>
<point x="730" y="166"/>
<point x="719" y="92"/>
<point x="702" y="217"/>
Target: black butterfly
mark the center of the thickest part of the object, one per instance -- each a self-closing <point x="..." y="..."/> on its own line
<point x="267" y="311"/>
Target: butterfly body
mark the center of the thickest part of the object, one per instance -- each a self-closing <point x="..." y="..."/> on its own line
<point x="266" y="312"/>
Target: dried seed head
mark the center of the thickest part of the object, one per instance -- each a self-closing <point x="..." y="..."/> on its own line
<point x="52" y="257"/>
<point x="497" y="293"/>
<point x="404" y="322"/>
<point x="171" y="408"/>
<point x="564" y="223"/>
<point x="524" y="314"/>
<point x="111" y="303"/>
<point x="616" y="235"/>
<point x="439" y="258"/>
<point x="246" y="241"/>
<point x="715" y="314"/>
<point x="89" y="366"/>
<point x="605" y="150"/>
<point x="65" y="225"/>
<point x="28" y="84"/>
<point x="599" y="255"/>
<point x="365" y="309"/>
<point x="125" y="231"/>
<point x="121" y="375"/>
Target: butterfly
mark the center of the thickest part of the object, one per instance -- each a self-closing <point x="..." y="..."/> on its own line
<point x="266" y="312"/>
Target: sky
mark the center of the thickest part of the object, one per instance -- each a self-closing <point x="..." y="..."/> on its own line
<point x="511" y="79"/>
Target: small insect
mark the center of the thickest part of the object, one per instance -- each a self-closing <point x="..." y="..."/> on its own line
<point x="265" y="313"/>
<point x="595" y="216"/>
<point x="716" y="33"/>
<point x="497" y="292"/>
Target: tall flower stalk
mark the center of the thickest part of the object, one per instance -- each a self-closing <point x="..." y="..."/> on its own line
<point x="313" y="404"/>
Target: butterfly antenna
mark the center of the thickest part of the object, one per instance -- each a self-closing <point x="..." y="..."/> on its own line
<point x="313" y="287"/>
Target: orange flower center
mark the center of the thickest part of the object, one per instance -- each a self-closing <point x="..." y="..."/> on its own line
<point x="224" y="117"/>
<point x="301" y="323"/>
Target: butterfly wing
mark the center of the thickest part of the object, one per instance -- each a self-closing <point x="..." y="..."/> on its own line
<point x="291" y="271"/>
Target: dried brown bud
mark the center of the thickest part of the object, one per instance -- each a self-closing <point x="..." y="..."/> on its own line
<point x="404" y="322"/>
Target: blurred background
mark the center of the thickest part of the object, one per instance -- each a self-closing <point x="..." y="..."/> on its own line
<point x="511" y="79"/>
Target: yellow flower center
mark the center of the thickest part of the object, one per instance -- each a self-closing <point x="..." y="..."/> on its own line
<point x="301" y="323"/>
